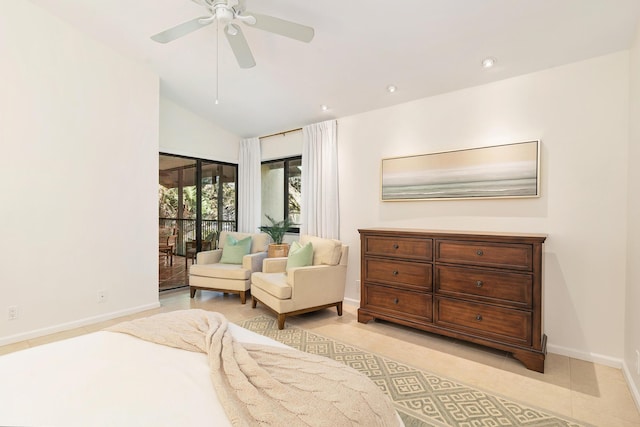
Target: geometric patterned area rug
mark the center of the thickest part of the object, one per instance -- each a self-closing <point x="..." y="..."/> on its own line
<point x="421" y="398"/>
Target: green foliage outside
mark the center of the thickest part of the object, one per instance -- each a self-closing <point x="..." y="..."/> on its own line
<point x="168" y="202"/>
<point x="295" y="195"/>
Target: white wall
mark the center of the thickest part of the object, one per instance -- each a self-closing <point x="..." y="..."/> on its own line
<point x="580" y="114"/>
<point x="281" y="146"/>
<point x="632" y="311"/>
<point x="185" y="133"/>
<point x="79" y="164"/>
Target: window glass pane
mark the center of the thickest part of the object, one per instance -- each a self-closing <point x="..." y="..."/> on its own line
<point x="295" y="190"/>
<point x="168" y="202"/>
<point x="218" y="198"/>
<point x="177" y="198"/>
<point x="189" y="194"/>
<point x="228" y="198"/>
<point x="177" y="180"/>
<point x="209" y="202"/>
<point x="272" y="191"/>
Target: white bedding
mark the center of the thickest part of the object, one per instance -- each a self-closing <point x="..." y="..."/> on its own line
<point x="111" y="379"/>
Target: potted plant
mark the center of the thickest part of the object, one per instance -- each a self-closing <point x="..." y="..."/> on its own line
<point x="276" y="230"/>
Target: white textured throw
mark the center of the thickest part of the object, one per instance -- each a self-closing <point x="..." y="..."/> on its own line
<point x="269" y="386"/>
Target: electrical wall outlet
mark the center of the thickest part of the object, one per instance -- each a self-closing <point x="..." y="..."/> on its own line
<point x="13" y="312"/>
<point x="102" y="295"/>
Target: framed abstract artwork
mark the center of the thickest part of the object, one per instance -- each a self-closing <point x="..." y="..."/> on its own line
<point x="511" y="170"/>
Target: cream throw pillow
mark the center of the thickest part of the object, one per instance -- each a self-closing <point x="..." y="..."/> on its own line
<point x="325" y="251"/>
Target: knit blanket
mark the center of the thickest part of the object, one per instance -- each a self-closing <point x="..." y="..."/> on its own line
<point x="269" y="386"/>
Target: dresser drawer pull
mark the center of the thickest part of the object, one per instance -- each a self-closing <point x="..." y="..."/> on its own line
<point x="395" y="301"/>
<point x="395" y="246"/>
<point x="395" y="272"/>
<point x="479" y="284"/>
<point x="478" y="317"/>
<point x="479" y="252"/>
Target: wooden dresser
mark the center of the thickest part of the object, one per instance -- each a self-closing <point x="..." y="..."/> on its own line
<point x="480" y="287"/>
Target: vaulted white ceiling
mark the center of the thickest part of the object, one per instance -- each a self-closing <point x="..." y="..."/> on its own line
<point x="424" y="47"/>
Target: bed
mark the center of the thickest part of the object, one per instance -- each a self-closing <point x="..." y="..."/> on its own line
<point x="125" y="377"/>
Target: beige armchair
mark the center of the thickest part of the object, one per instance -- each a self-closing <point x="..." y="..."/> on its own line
<point x="303" y="289"/>
<point x="210" y="274"/>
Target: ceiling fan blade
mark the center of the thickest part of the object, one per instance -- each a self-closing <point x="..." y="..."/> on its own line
<point x="239" y="46"/>
<point x="282" y="27"/>
<point x="183" y="29"/>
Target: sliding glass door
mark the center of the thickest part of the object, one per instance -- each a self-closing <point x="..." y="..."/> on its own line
<point x="217" y="199"/>
<point x="196" y="198"/>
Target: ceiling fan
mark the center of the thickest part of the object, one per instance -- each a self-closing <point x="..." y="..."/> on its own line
<point x="229" y="13"/>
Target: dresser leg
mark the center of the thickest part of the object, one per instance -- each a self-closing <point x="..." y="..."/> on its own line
<point x="364" y="318"/>
<point x="533" y="361"/>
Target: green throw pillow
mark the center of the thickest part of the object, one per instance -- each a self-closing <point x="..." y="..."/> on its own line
<point x="300" y="256"/>
<point x="234" y="249"/>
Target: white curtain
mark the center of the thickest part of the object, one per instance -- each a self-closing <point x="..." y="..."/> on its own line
<point x="249" y="186"/>
<point x="320" y="213"/>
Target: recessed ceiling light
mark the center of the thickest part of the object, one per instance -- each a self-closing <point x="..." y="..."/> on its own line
<point x="488" y="62"/>
<point x="324" y="107"/>
<point x="391" y="88"/>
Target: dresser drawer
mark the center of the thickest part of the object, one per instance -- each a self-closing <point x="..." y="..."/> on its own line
<point x="494" y="286"/>
<point x="412" y="274"/>
<point x="396" y="247"/>
<point x="512" y="256"/>
<point x="503" y="324"/>
<point x="402" y="302"/>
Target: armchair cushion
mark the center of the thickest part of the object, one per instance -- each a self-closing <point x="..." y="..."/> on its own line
<point x="234" y="250"/>
<point x="226" y="271"/>
<point x="299" y="255"/>
<point x="325" y="251"/>
<point x="273" y="283"/>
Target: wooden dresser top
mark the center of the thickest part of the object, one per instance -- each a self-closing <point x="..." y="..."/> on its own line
<point x="454" y="233"/>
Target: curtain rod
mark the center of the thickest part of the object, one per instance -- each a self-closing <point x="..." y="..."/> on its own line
<point x="280" y="133"/>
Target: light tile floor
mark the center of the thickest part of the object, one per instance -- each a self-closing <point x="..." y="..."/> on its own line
<point x="588" y="392"/>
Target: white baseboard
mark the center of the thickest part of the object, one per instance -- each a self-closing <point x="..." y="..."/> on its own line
<point x="351" y="301"/>
<point x="613" y="362"/>
<point x="75" y="324"/>
<point x="632" y="385"/>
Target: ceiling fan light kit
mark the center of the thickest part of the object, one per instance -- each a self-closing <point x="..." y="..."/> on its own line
<point x="227" y="13"/>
